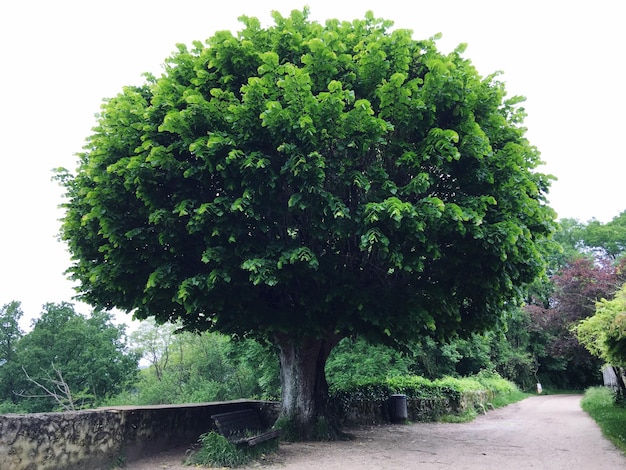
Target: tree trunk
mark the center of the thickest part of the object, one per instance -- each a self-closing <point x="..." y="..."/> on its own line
<point x="621" y="386"/>
<point x="304" y="388"/>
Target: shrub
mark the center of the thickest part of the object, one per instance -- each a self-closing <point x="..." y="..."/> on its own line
<point x="7" y="407"/>
<point x="494" y="383"/>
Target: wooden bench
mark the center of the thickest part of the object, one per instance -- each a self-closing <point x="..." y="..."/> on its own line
<point x="243" y="427"/>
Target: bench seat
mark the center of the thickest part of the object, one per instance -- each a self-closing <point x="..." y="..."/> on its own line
<point x="243" y="427"/>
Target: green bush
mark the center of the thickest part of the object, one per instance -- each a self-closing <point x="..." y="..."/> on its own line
<point x="494" y="383"/>
<point x="354" y="360"/>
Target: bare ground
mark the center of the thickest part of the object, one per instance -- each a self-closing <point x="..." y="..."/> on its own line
<point x="543" y="432"/>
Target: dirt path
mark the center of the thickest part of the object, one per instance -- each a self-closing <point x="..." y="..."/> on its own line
<point x="545" y="432"/>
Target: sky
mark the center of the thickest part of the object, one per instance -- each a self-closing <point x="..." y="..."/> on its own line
<point x="60" y="59"/>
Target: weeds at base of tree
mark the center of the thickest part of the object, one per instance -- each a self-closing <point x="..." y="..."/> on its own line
<point x="324" y="429"/>
<point x="216" y="451"/>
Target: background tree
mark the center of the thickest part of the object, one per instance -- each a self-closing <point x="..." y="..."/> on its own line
<point x="587" y="266"/>
<point x="10" y="334"/>
<point x="186" y="367"/>
<point x="564" y="362"/>
<point x="303" y="183"/>
<point x="570" y="244"/>
<point x="604" y="335"/>
<point x="609" y="238"/>
<point x="154" y="342"/>
<point x="87" y="354"/>
<point x="506" y="350"/>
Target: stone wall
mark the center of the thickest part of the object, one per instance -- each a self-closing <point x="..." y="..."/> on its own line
<point x="96" y="439"/>
<point x="418" y="409"/>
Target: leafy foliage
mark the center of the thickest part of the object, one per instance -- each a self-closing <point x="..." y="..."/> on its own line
<point x="355" y="360"/>
<point x="509" y="353"/>
<point x="609" y="238"/>
<point x="604" y="335"/>
<point x="588" y="267"/>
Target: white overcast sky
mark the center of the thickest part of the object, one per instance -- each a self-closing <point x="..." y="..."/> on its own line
<point x="59" y="59"/>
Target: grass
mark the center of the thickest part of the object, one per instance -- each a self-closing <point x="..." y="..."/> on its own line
<point x="611" y="418"/>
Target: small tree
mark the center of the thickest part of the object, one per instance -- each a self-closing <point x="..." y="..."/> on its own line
<point x="304" y="183"/>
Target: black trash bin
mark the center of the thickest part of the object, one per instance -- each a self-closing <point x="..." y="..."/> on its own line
<point x="398" y="410"/>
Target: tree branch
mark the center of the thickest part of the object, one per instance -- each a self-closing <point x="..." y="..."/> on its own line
<point x="63" y="395"/>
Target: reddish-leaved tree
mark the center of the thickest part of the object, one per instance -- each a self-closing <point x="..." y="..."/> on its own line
<point x="577" y="287"/>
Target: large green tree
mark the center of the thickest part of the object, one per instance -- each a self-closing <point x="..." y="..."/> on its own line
<point x="72" y="360"/>
<point x="306" y="182"/>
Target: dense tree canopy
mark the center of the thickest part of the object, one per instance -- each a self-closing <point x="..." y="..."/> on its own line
<point x="593" y="238"/>
<point x="307" y="182"/>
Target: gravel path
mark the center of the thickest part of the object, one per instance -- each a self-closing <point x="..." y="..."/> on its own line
<point x="543" y="432"/>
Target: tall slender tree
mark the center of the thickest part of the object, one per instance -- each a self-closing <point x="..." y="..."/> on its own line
<point x="10" y="334"/>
